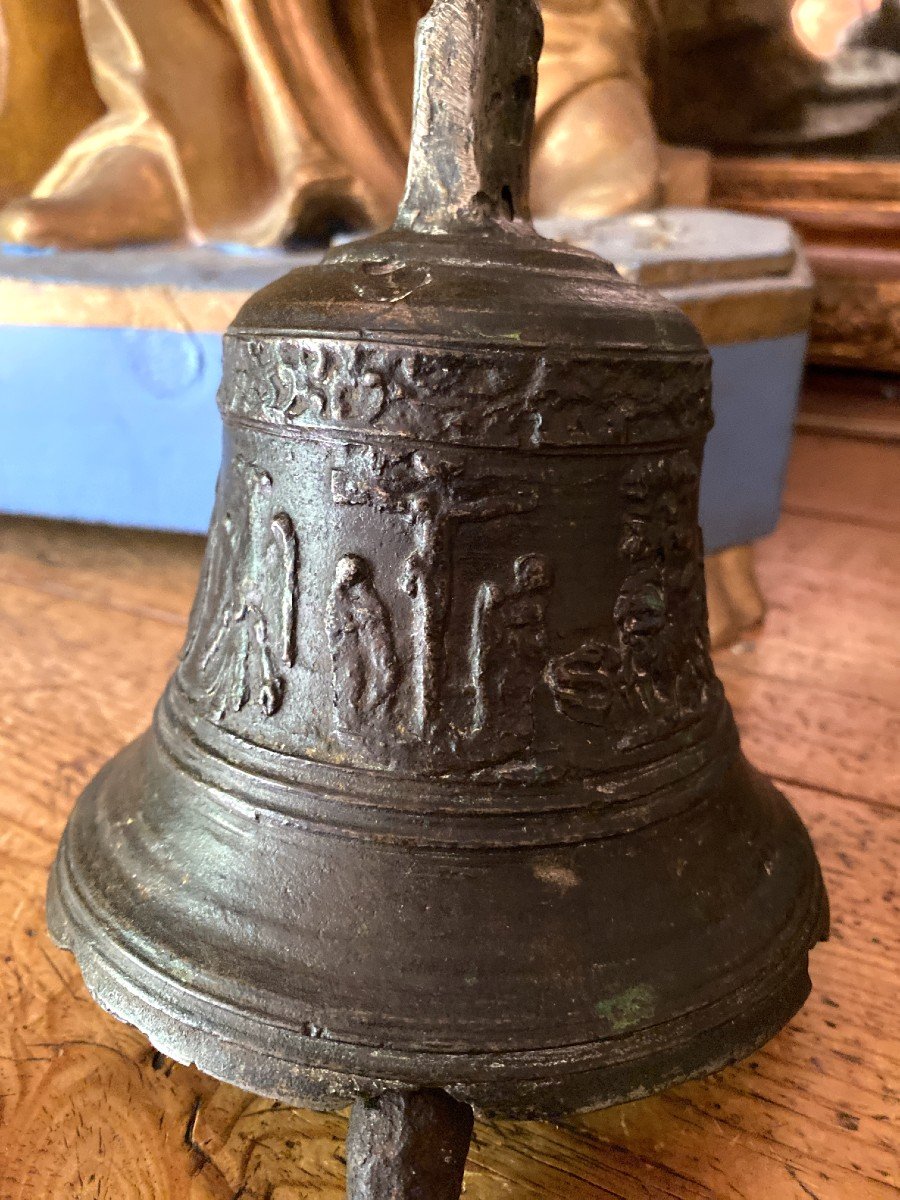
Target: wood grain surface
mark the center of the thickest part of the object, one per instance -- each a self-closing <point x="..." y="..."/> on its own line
<point x="838" y="197"/>
<point x="857" y="404"/>
<point x="90" y="626"/>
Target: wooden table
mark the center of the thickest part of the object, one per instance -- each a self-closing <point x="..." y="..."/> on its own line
<point x="90" y="625"/>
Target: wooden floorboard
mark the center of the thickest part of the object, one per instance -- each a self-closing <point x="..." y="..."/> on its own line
<point x="817" y="695"/>
<point x="846" y="479"/>
<point x="152" y="574"/>
<point x="852" y="404"/>
<point x="90" y="627"/>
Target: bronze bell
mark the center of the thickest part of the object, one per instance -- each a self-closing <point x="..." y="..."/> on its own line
<point x="444" y="807"/>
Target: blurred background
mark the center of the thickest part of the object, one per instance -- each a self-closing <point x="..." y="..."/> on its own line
<point x="159" y="162"/>
<point x="822" y="24"/>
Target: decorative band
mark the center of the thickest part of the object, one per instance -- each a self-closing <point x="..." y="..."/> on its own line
<point x="504" y="397"/>
<point x="261" y="784"/>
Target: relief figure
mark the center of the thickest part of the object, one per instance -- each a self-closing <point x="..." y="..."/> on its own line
<point x="655" y="675"/>
<point x="365" y="670"/>
<point x="432" y="495"/>
<point x="243" y="631"/>
<point x="509" y="649"/>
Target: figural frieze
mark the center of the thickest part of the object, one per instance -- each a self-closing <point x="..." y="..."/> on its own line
<point x="390" y="660"/>
<point x="432" y="496"/>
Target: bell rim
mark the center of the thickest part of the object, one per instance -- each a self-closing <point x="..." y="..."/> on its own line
<point x="517" y="1084"/>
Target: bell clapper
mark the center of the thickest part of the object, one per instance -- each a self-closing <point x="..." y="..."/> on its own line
<point x="408" y="1146"/>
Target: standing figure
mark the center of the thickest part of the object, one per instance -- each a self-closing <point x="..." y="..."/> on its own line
<point x="432" y="495"/>
<point x="509" y="649"/>
<point x="642" y="619"/>
<point x="363" y="658"/>
<point x="243" y="630"/>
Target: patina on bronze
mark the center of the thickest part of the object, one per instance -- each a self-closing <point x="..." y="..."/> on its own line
<point x="444" y="807"/>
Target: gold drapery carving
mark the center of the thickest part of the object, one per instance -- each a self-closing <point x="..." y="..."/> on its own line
<point x="249" y="120"/>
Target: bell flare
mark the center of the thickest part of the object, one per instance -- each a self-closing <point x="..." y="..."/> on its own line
<point x="533" y="957"/>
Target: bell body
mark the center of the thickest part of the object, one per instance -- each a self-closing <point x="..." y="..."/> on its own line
<point x="444" y="792"/>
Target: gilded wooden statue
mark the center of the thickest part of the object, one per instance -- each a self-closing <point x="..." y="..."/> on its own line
<point x="254" y="120"/>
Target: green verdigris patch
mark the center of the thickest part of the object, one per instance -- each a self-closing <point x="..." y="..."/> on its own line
<point x="629" y="1008"/>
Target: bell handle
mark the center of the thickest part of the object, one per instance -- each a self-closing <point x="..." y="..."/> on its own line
<point x="476" y="84"/>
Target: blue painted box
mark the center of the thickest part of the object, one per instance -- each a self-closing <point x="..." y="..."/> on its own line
<point x="109" y="366"/>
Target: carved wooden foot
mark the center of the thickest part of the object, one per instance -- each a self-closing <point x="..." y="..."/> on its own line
<point x="408" y="1146"/>
<point x="736" y="604"/>
<point x="125" y="194"/>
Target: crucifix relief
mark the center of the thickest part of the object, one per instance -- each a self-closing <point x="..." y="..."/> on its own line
<point x="432" y="496"/>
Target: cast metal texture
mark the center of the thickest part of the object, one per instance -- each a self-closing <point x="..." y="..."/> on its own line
<point x="408" y="1146"/>
<point x="445" y="793"/>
